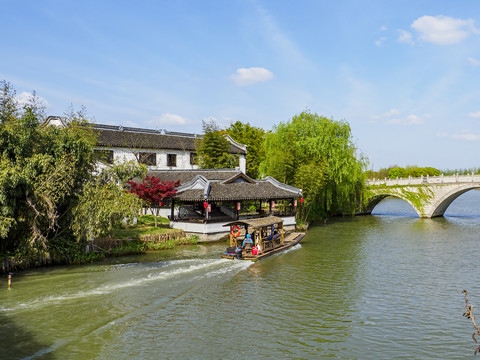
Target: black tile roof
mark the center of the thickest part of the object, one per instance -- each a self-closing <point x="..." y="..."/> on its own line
<point x="129" y="137"/>
<point x="266" y="189"/>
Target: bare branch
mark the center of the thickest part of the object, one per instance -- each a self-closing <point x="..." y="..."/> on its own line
<point x="469" y="315"/>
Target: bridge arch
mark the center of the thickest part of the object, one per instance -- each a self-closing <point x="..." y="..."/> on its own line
<point x="441" y="204"/>
<point x="377" y="198"/>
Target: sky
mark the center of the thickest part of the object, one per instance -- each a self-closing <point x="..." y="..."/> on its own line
<point x="404" y="74"/>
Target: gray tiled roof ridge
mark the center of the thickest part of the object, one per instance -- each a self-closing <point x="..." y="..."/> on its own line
<point x="281" y="185"/>
<point x="122" y="128"/>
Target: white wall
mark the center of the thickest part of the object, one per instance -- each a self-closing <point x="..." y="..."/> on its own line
<point x="183" y="158"/>
<point x="242" y="163"/>
<point x="127" y="154"/>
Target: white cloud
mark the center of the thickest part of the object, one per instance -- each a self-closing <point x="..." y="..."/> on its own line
<point x="391" y="112"/>
<point x="172" y="119"/>
<point x="443" y="30"/>
<point x="279" y="40"/>
<point x="463" y="136"/>
<point x="475" y="114"/>
<point x="380" y="41"/>
<point x="252" y="75"/>
<point x="411" y="120"/>
<point x="405" y="37"/>
<point x="473" y="61"/>
<point x="25" y="97"/>
<point x="383" y="28"/>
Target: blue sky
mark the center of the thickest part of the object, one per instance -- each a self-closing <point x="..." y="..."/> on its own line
<point x="404" y="74"/>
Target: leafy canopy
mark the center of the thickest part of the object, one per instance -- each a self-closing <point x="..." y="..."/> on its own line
<point x="317" y="154"/>
<point x="254" y="138"/>
<point x="104" y="201"/>
<point x="213" y="149"/>
<point x="153" y="191"/>
<point x="42" y="172"/>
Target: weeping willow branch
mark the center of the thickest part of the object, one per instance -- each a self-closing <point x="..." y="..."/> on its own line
<point x="469" y="315"/>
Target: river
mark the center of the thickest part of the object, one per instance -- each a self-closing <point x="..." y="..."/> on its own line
<point x="382" y="286"/>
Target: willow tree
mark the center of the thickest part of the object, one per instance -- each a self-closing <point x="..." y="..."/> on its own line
<point x="318" y="155"/>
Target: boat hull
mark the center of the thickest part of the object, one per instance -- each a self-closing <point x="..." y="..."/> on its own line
<point x="290" y="241"/>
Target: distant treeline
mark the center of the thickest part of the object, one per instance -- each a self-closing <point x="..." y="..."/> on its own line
<point x="395" y="171"/>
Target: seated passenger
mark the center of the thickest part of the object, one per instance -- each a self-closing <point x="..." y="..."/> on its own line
<point x="248" y="242"/>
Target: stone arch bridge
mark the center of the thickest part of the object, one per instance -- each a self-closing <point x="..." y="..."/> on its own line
<point x="429" y="196"/>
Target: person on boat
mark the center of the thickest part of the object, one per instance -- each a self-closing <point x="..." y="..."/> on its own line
<point x="248" y="242"/>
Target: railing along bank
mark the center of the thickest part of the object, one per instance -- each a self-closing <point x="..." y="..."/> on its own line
<point x="441" y="179"/>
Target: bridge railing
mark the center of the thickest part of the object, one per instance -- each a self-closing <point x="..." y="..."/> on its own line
<point x="441" y="179"/>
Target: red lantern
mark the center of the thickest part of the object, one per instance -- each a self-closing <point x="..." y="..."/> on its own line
<point x="301" y="200"/>
<point x="162" y="203"/>
<point x="205" y="204"/>
<point x="238" y="206"/>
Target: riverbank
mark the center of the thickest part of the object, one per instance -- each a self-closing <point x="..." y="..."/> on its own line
<point x="124" y="240"/>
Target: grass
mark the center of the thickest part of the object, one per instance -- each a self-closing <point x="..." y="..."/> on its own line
<point x="145" y="226"/>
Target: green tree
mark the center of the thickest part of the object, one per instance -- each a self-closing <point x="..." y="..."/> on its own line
<point x="395" y="172"/>
<point x="42" y="172"/>
<point x="317" y="154"/>
<point x="254" y="138"/>
<point x="104" y="201"/>
<point x="413" y="171"/>
<point x="213" y="149"/>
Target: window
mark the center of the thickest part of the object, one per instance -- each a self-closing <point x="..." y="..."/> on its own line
<point x="193" y="158"/>
<point x="149" y="159"/>
<point x="171" y="159"/>
<point x="104" y="156"/>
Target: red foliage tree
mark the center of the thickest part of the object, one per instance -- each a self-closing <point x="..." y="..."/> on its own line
<point x="153" y="191"/>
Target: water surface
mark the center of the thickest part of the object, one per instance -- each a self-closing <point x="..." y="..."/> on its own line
<point x="386" y="286"/>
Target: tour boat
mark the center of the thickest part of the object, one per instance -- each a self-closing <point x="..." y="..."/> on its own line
<point x="267" y="235"/>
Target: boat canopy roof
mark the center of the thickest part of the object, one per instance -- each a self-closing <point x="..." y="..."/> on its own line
<point x="257" y="223"/>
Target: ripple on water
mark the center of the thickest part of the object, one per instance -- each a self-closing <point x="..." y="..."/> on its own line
<point x="370" y="287"/>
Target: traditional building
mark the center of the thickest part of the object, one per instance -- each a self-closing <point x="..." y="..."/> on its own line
<point x="208" y="199"/>
<point x="158" y="149"/>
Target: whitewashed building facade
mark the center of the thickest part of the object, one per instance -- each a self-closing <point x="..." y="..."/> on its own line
<point x="158" y="149"/>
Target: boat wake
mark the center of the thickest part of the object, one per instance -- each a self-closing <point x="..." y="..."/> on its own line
<point x="138" y="275"/>
<point x="295" y="247"/>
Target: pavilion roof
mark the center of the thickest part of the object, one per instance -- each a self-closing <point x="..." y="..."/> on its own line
<point x="237" y="188"/>
<point x="258" y="222"/>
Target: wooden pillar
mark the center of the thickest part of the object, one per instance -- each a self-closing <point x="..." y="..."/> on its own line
<point x="281" y="232"/>
<point x="260" y="239"/>
<point x="269" y="206"/>
<point x="272" y="234"/>
<point x="172" y="211"/>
